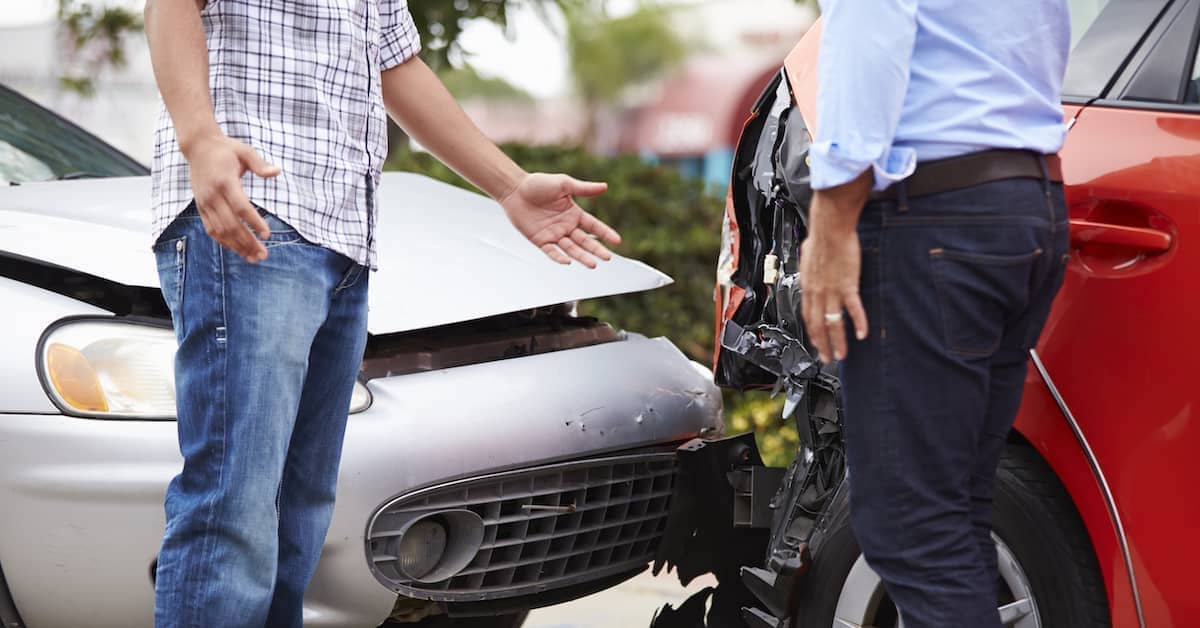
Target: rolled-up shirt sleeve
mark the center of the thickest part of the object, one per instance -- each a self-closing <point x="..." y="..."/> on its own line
<point x="399" y="40"/>
<point x="863" y="70"/>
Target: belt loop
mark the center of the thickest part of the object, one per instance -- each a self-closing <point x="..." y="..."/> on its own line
<point x="1041" y="159"/>
<point x="902" y="196"/>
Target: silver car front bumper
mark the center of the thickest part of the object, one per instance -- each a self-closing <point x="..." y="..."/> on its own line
<point x="82" y="499"/>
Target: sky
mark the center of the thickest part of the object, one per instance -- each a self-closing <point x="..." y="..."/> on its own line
<point x="533" y="58"/>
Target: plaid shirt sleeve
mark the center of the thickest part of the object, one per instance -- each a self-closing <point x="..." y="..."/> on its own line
<point x="399" y="40"/>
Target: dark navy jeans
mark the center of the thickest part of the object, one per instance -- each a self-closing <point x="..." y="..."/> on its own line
<point x="957" y="287"/>
<point x="268" y="354"/>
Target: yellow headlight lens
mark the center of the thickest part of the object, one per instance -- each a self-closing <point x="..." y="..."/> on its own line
<point x="74" y="379"/>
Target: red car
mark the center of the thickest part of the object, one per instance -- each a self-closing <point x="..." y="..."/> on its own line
<point x="1096" y="501"/>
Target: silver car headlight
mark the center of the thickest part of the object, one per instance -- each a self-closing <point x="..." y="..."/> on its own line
<point x="111" y="368"/>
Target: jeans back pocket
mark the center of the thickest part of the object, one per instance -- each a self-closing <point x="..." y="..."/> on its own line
<point x="978" y="293"/>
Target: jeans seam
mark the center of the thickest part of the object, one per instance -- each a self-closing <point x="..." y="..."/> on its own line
<point x="214" y="501"/>
<point x="350" y="279"/>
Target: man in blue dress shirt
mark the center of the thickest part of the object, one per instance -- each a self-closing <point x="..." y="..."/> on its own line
<point x="938" y="226"/>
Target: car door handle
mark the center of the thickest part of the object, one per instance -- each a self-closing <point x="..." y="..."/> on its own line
<point x="1150" y="241"/>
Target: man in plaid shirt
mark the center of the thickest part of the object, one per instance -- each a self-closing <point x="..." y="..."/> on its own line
<point x="267" y="159"/>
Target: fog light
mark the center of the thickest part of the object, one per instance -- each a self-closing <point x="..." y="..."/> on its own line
<point x="421" y="547"/>
<point x="438" y="545"/>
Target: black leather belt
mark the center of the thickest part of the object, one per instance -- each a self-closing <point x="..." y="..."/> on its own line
<point x="956" y="173"/>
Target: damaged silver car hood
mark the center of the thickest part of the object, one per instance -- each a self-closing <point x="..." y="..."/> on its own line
<point x="445" y="255"/>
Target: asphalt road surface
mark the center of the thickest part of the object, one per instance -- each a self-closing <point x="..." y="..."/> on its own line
<point x="630" y="605"/>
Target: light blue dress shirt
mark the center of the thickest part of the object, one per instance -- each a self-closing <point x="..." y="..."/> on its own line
<point x="905" y="81"/>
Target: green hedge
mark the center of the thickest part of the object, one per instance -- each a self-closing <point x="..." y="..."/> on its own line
<point x="672" y="223"/>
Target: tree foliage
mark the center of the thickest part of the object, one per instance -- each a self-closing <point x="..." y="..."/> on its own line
<point x="465" y="83"/>
<point x="441" y="22"/>
<point x="608" y="54"/>
<point x="95" y="38"/>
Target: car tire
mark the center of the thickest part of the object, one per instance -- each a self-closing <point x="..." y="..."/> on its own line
<point x="1036" y="526"/>
<point x="513" y="620"/>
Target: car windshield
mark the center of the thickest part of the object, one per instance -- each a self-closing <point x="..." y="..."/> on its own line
<point x="38" y="145"/>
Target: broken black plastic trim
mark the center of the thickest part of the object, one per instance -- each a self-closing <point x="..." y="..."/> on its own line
<point x="486" y="340"/>
<point x="114" y="297"/>
<point x="764" y="343"/>
<point x="700" y="537"/>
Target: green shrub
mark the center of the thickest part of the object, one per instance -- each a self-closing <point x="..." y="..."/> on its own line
<point x="669" y="222"/>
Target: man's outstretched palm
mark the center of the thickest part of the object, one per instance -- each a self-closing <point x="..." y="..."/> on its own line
<point x="543" y="209"/>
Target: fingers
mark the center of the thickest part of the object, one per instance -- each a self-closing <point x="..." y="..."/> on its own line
<point x="586" y="189"/>
<point x="826" y="323"/>
<point x="590" y="245"/>
<point x="254" y="162"/>
<point x="246" y="212"/>
<point x="555" y="254"/>
<point x="574" y="250"/>
<point x="858" y="315"/>
<point x="596" y="227"/>
<point x="835" y="327"/>
<point x="223" y="225"/>
<point x="812" y="304"/>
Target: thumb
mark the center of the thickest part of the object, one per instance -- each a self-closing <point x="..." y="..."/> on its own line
<point x="586" y="189"/>
<point x="256" y="164"/>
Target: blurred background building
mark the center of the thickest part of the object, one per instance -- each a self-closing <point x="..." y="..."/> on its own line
<point x="523" y="85"/>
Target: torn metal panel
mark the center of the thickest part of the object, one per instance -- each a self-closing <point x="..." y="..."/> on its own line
<point x="765" y="335"/>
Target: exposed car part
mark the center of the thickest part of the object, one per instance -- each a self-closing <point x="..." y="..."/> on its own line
<point x="496" y="270"/>
<point x="526" y="531"/>
<point x="120" y="299"/>
<point x="700" y="537"/>
<point x="763" y="340"/>
<point x="494" y="338"/>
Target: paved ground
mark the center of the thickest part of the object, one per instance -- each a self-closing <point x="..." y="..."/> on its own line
<point x="630" y="605"/>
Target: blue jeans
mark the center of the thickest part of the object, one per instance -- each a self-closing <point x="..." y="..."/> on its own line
<point x="957" y="287"/>
<point x="268" y="355"/>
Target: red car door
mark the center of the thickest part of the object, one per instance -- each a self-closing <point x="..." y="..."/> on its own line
<point x="1122" y="344"/>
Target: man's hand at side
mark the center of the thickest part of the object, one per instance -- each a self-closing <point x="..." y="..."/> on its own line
<point x="217" y="164"/>
<point x="542" y="207"/>
<point x="830" y="267"/>
<point x="180" y="57"/>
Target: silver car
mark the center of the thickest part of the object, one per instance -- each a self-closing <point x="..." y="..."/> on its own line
<point x="503" y="453"/>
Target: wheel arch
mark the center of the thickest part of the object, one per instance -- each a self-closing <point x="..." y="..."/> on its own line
<point x="1045" y="424"/>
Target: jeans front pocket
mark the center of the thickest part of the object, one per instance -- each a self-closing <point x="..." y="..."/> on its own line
<point x="171" y="258"/>
<point x="281" y="232"/>
<point x="978" y="293"/>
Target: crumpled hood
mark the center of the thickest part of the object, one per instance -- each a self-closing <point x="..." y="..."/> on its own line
<point x="445" y="255"/>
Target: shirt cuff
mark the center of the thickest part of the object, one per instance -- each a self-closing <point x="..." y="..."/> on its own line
<point x="831" y="165"/>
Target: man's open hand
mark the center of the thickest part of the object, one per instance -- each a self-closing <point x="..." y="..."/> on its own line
<point x="217" y="164"/>
<point x="542" y="207"/>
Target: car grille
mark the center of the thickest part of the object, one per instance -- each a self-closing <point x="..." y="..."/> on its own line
<point x="544" y="528"/>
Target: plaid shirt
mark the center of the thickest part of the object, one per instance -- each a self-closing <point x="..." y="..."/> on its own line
<point x="299" y="80"/>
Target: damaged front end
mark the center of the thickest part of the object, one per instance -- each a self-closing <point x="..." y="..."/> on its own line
<point x="749" y="524"/>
